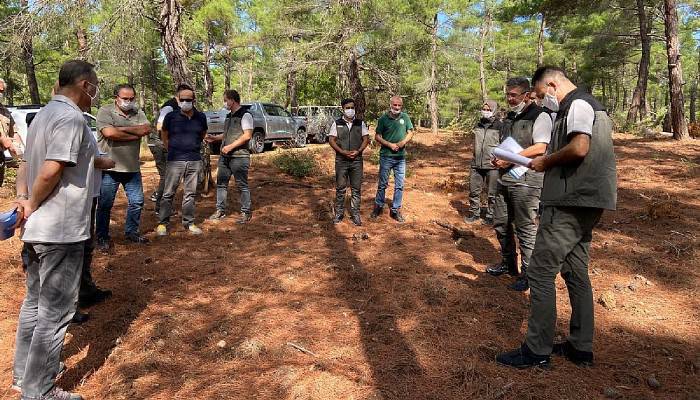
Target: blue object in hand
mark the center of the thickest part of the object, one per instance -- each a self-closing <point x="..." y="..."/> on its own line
<point x="8" y="219"/>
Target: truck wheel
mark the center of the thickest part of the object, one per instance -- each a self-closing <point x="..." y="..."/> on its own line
<point x="300" y="138"/>
<point x="257" y="142"/>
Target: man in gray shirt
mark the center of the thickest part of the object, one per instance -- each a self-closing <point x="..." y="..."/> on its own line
<point x="120" y="127"/>
<point x="59" y="176"/>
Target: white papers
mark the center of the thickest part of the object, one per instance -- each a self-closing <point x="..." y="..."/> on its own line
<point x="508" y="151"/>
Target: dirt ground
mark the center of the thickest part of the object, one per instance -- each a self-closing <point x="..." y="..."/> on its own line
<point x="292" y="307"/>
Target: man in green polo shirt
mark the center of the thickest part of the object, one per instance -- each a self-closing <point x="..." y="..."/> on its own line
<point x="120" y="127"/>
<point x="394" y="131"/>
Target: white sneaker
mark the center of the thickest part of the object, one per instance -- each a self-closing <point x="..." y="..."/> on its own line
<point x="194" y="229"/>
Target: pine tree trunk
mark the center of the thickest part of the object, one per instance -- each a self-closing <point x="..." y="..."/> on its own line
<point x="482" y="42"/>
<point x="694" y="93"/>
<point x="227" y="68"/>
<point x="155" y="106"/>
<point x="434" y="121"/>
<point x="291" y="98"/>
<point x="639" y="107"/>
<point x="28" y="57"/>
<point x="208" y="79"/>
<point x="540" y="42"/>
<point x="357" y="92"/>
<point x="173" y="45"/>
<point x="675" y="74"/>
<point x="250" y="79"/>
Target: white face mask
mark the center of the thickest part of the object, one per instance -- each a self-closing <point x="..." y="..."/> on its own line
<point x="126" y="105"/>
<point x="519" y="107"/>
<point x="550" y="101"/>
<point x="185" y="105"/>
<point x="486" y="114"/>
<point x="349" y="113"/>
<point x="395" y="112"/>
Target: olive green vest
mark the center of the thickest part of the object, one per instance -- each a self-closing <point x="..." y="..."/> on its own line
<point x="349" y="139"/>
<point x="486" y="138"/>
<point x="233" y="130"/>
<point x="593" y="181"/>
<point x="520" y="127"/>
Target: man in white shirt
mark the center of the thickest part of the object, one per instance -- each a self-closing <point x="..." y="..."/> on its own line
<point x="349" y="137"/>
<point x="234" y="158"/>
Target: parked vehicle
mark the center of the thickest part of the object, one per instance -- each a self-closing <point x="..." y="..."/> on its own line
<point x="318" y="120"/>
<point x="272" y="124"/>
<point x="21" y="114"/>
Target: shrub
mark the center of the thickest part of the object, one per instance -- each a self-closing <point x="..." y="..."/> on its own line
<point x="296" y="163"/>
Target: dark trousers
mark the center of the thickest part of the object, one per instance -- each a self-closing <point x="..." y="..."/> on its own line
<point x="53" y="278"/>
<point x="477" y="178"/>
<point x="238" y="168"/>
<point x="187" y="172"/>
<point x="563" y="243"/>
<point x="160" y="156"/>
<point x="514" y="216"/>
<point x="348" y="171"/>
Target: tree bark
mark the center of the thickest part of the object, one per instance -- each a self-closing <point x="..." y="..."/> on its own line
<point x="483" y="31"/>
<point x="155" y="106"/>
<point x="208" y="79"/>
<point x="291" y="98"/>
<point x="433" y="102"/>
<point x="356" y="90"/>
<point x="173" y="45"/>
<point x="675" y="74"/>
<point x="28" y="58"/>
<point x="540" y="42"/>
<point x="694" y="93"/>
<point x="639" y="107"/>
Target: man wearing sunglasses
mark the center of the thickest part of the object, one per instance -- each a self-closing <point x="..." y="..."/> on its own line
<point x="182" y="134"/>
<point x="120" y="127"/>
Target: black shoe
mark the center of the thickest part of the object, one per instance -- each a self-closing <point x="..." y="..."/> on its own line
<point x="244" y="219"/>
<point x="154" y="197"/>
<point x="136" y="238"/>
<point x="79" y="317"/>
<point x="471" y="219"/>
<point x="355" y="218"/>
<point x="376" y="212"/>
<point x="102" y="245"/>
<point x="521" y="284"/>
<point x="95" y="297"/>
<point x="338" y="219"/>
<point x="488" y="221"/>
<point x="578" y="357"/>
<point x="522" y="358"/>
<point x="499" y="269"/>
<point x="396" y="215"/>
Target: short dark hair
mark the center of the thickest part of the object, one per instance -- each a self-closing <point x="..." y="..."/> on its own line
<point x="74" y="70"/>
<point x="347" y="101"/>
<point x="232" y="95"/>
<point x="183" y="86"/>
<point x="519" y="81"/>
<point x="547" y="71"/>
<point x="123" y="86"/>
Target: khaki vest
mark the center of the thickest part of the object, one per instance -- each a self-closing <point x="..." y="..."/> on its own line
<point x="233" y="130"/>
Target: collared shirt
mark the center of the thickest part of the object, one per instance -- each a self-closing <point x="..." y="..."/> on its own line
<point x="124" y="153"/>
<point x="394" y="130"/>
<point x="333" y="131"/>
<point x="59" y="132"/>
<point x="185" y="135"/>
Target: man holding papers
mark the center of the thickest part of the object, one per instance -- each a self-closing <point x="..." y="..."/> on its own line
<point x="525" y="133"/>
<point x="580" y="183"/>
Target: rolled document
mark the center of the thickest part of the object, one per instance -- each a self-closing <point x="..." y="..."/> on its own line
<point x="511" y="157"/>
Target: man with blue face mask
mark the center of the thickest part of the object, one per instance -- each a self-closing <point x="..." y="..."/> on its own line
<point x="120" y="127"/>
<point x="182" y="134"/>
<point x="348" y="136"/>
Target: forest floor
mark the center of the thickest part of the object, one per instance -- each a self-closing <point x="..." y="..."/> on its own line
<point x="293" y="307"/>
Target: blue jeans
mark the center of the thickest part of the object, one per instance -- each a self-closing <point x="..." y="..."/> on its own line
<point x="134" y="194"/>
<point x="386" y="165"/>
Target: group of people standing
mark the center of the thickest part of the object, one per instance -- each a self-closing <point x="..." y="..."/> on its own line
<point x="570" y="181"/>
<point x="68" y="180"/>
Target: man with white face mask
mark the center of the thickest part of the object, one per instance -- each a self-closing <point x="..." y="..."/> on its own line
<point x="580" y="183"/>
<point x="394" y="131"/>
<point x="120" y="127"/>
<point x="234" y="158"/>
<point x="518" y="198"/>
<point x="348" y="136"/>
<point x="182" y="134"/>
<point x="486" y="138"/>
